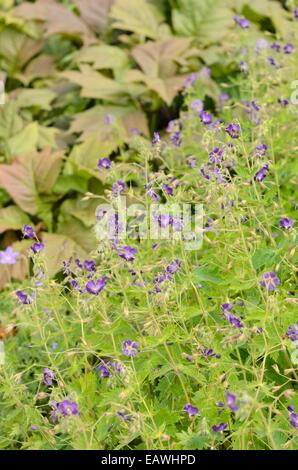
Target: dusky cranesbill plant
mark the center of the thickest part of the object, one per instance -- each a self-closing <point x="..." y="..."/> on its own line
<point x="147" y="345"/>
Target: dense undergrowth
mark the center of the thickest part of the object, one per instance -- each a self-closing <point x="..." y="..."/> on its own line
<point x="143" y="343"/>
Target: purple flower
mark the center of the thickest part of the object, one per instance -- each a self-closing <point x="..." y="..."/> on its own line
<point x="220" y="428"/>
<point x="286" y="223"/>
<point x="226" y="307"/>
<point x="174" y="266"/>
<point x="37" y="247"/>
<point x="95" y="287"/>
<point x="104" y="369"/>
<point x="191" y="410"/>
<point x="23" y="298"/>
<point x="205" y="72"/>
<point x="192" y="162"/>
<point x="8" y="256"/>
<point x="119" y="187"/>
<point x="205" y="117"/>
<point x="124" y="416"/>
<point x="33" y="427"/>
<point x="233" y="130"/>
<point x="208" y="352"/>
<point x="296" y="13"/>
<point x="215" y="156"/>
<point x="262" y="173"/>
<point x="233" y="320"/>
<point x="89" y="265"/>
<point x="190" y="80"/>
<point x="130" y="348"/>
<point x="283" y="102"/>
<point x="104" y="163"/>
<point x="48" y="376"/>
<point x="275" y="46"/>
<point x="197" y="105"/>
<point x="151" y="193"/>
<point x="68" y="408"/>
<point x="261" y="149"/>
<point x="288" y="48"/>
<point x="176" y="138"/>
<point x="294" y="420"/>
<point x="292" y="332"/>
<point x="127" y="252"/>
<point x="231" y="401"/>
<point x="28" y="231"/>
<point x="156" y="138"/>
<point x="242" y="22"/>
<point x="291" y="408"/>
<point x="54" y="345"/>
<point x="168" y="189"/>
<point x="270" y="281"/>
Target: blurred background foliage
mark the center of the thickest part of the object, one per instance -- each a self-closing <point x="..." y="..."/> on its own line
<point x="82" y="79"/>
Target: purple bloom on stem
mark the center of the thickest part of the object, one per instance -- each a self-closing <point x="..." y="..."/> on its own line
<point x="286" y="223"/>
<point x="104" y="369"/>
<point x="296" y="13"/>
<point x="289" y="48"/>
<point x="197" y="105"/>
<point x="291" y="408"/>
<point x="28" y="231"/>
<point x="130" y="348"/>
<point x="294" y="420"/>
<point x="23" y="298"/>
<point x="205" y="117"/>
<point x="127" y="252"/>
<point x="68" y="408"/>
<point x="283" y="102"/>
<point x="233" y="130"/>
<point x="174" y="266"/>
<point x="192" y="162"/>
<point x="190" y="409"/>
<point x="124" y="416"/>
<point x="243" y="66"/>
<point x="275" y="46"/>
<point x="205" y="72"/>
<point x="292" y="332"/>
<point x="37" y="247"/>
<point x="8" y="256"/>
<point x="220" y="428"/>
<point x="48" y="376"/>
<point x="231" y="401"/>
<point x="89" y="265"/>
<point x="54" y="345"/>
<point x="215" y="156"/>
<point x="261" y="149"/>
<point x="156" y="138"/>
<point x="226" y="307"/>
<point x="262" y="173"/>
<point x="190" y="80"/>
<point x="242" y="22"/>
<point x="95" y="287"/>
<point x="168" y="189"/>
<point x="270" y="281"/>
<point x="104" y="163"/>
<point x="119" y="187"/>
<point x="233" y="320"/>
<point x="176" y="138"/>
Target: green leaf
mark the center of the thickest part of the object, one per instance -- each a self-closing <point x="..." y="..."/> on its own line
<point x="12" y="218"/>
<point x="207" y="20"/>
<point x="136" y="16"/>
